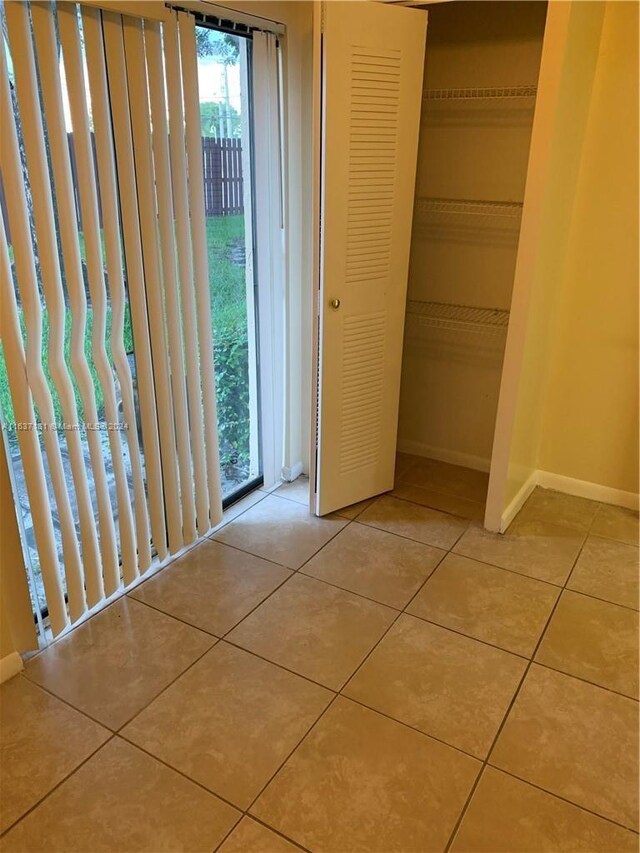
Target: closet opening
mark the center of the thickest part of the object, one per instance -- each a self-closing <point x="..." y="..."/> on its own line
<point x="480" y="83"/>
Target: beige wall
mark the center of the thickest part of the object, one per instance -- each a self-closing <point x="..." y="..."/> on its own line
<point x="590" y="427"/>
<point x="572" y="39"/>
<point x="10" y="552"/>
<point x="568" y="401"/>
<point x="17" y="630"/>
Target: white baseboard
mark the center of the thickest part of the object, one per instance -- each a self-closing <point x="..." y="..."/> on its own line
<point x="443" y="454"/>
<point x="292" y="473"/>
<point x="568" y="486"/>
<point x="518" y="502"/>
<point x="585" y="489"/>
<point x="10" y="665"/>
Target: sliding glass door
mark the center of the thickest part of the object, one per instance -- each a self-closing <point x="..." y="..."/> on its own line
<point x="107" y="379"/>
<point x="137" y="215"/>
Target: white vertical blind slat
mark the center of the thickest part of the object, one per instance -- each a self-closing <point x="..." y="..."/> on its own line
<point x="74" y="72"/>
<point x="185" y="268"/>
<point x="47" y="52"/>
<point x="28" y="440"/>
<point x="94" y="45"/>
<point x="126" y="174"/>
<point x="270" y="250"/>
<point x="189" y="67"/>
<point x="138" y="94"/>
<point x="139" y="226"/>
<point x="160" y="142"/>
<point x="29" y="106"/>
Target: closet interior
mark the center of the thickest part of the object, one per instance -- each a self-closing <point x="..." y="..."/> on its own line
<point x="480" y="83"/>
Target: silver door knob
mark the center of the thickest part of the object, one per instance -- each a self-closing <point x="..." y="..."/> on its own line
<point x="334" y="303"/>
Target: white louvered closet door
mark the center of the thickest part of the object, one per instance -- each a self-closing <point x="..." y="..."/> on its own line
<point x="101" y="166"/>
<point x="372" y="67"/>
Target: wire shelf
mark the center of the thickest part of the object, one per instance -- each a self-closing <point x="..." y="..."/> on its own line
<point x="465" y="318"/>
<point x="494" y="93"/>
<point x="469" y="207"/>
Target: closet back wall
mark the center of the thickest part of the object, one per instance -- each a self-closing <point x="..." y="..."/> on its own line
<point x="470" y="150"/>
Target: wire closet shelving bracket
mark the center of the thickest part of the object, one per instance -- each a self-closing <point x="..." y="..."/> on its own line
<point x="488" y="93"/>
<point x="468" y="207"/>
<point x="459" y="318"/>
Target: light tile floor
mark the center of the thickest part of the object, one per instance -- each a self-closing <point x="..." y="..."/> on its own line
<point x="389" y="678"/>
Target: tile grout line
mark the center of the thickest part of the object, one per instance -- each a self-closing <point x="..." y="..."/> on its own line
<point x="485" y="763"/>
<point x="181" y="773"/>
<point x="404" y="724"/>
<point x="223" y="639"/>
<point x="340" y="693"/>
<point x="276" y="831"/>
<point x="335" y="697"/>
<point x="64" y="701"/>
<point x="235" y="625"/>
<point x="603" y="600"/>
<point x="634" y="544"/>
<point x="399" y="613"/>
<point x="289" y="755"/>
<point x="613" y="539"/>
<point x="118" y="732"/>
<point x="480" y="504"/>
<point x="216" y="637"/>
<point x="66" y="778"/>
<point x="386" y="604"/>
<point x="403" y="482"/>
<point x="504" y="569"/>
<point x="247" y="810"/>
<point x="251" y="553"/>
<point x="114" y="732"/>
<point x="563" y="799"/>
<point x="182" y="621"/>
<point x="153" y="572"/>
<point x="157" y="570"/>
<point x="347" y="521"/>
<point x="559" y="589"/>
<point x="586" y="681"/>
<point x="274" y="663"/>
<point x="372" y="526"/>
<point x="320" y="716"/>
<point x="213" y="637"/>
<point x="426" y="544"/>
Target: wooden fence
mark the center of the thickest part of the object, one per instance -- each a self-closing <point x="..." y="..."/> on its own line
<point x="222" y="172"/>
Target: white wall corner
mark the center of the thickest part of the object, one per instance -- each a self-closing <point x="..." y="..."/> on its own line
<point x="10" y="665"/>
<point x="289" y="474"/>
<point x="518" y="502"/>
<point x="585" y="489"/>
<point x="568" y="486"/>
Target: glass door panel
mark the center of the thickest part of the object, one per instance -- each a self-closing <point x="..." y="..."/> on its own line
<point x="224" y="62"/>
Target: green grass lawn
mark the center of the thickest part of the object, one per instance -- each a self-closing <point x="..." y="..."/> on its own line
<point x="227" y="279"/>
<point x="225" y="237"/>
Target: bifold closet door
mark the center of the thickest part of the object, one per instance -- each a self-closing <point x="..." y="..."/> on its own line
<point x="101" y="165"/>
<point x="371" y="87"/>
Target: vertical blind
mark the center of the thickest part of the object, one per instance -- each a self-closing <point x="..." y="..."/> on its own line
<point x="74" y="295"/>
